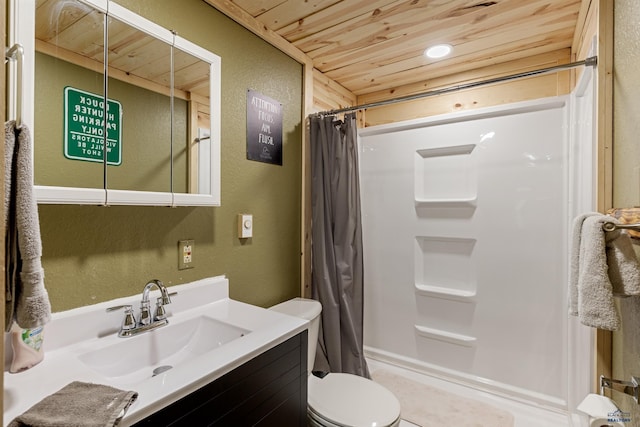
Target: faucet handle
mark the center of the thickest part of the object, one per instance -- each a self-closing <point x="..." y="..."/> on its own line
<point x="129" y="321"/>
<point x="145" y="313"/>
<point x="118" y="307"/>
<point x="161" y="313"/>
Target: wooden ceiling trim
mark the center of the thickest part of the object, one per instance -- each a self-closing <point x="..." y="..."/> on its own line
<point x="528" y="63"/>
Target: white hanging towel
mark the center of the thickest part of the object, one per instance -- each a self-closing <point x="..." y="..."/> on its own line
<point x="603" y="265"/>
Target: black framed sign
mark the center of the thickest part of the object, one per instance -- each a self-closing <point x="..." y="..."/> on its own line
<point x="264" y="128"/>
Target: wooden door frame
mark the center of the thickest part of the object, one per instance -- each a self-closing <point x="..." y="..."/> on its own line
<point x="603" y="339"/>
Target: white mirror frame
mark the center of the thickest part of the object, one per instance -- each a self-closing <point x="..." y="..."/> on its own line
<point x="23" y="12"/>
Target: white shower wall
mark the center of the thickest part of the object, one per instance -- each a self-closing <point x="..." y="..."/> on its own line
<point x="465" y="231"/>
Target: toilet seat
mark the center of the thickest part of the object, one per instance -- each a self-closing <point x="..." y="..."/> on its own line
<point x="343" y="400"/>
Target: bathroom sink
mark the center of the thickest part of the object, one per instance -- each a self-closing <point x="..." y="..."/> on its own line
<point x="131" y="360"/>
<point x="208" y="336"/>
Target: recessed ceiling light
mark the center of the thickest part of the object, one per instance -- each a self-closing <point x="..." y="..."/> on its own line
<point x="438" y="51"/>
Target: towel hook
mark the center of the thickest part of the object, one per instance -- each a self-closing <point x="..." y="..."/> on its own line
<point x="16" y="52"/>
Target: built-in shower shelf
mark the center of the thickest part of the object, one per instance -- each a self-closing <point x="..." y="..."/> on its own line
<point x="453" y="150"/>
<point x="446" y="336"/>
<point x="446" y="293"/>
<point x="469" y="202"/>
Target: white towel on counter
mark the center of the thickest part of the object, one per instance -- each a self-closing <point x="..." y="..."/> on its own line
<point x="27" y="301"/>
<point x="603" y="265"/>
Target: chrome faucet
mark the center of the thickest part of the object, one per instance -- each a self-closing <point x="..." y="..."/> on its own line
<point x="146" y="322"/>
<point x="160" y="315"/>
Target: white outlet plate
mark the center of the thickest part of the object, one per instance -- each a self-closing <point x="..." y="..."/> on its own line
<point x="185" y="254"/>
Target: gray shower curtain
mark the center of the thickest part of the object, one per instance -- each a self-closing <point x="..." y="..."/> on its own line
<point x="336" y="248"/>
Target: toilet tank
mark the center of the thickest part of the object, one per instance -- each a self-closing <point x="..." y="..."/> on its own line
<point x="307" y="309"/>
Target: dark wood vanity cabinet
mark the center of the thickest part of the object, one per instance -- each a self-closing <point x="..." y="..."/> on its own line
<point x="269" y="390"/>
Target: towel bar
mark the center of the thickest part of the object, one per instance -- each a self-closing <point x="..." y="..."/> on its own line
<point x="632" y="388"/>
<point x="16" y="52"/>
<point x="610" y="226"/>
<point x="629" y="219"/>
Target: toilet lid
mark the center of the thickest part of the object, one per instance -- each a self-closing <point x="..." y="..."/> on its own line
<point x="350" y="400"/>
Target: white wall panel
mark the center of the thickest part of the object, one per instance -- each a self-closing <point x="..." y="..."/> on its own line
<point x="465" y="224"/>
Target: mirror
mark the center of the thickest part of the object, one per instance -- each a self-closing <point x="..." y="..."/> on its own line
<point x="162" y="109"/>
<point x="67" y="123"/>
<point x="191" y="158"/>
<point x="139" y="80"/>
<point x="196" y="156"/>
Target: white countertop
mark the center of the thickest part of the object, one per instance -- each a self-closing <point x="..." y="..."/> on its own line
<point x="75" y="332"/>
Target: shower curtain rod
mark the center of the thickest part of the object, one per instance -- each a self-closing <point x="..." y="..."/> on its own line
<point x="591" y="61"/>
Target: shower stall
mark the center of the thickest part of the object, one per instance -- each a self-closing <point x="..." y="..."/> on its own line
<point x="466" y="220"/>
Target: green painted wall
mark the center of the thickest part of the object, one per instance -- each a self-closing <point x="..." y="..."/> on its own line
<point x="92" y="254"/>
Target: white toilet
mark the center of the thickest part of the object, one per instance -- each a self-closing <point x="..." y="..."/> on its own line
<point x="340" y="400"/>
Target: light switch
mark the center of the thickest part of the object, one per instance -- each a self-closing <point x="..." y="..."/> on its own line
<point x="245" y="226"/>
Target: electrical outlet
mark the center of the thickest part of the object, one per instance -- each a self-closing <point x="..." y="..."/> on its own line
<point x="185" y="254"/>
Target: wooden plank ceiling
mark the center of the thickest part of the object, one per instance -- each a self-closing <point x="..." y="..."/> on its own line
<point x="374" y="45"/>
